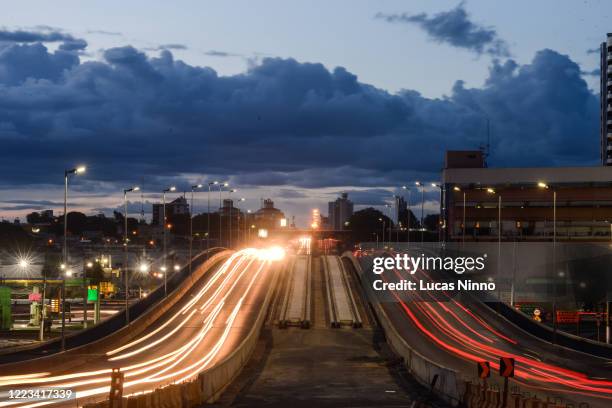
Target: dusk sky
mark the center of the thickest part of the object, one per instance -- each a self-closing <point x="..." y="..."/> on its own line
<point x="295" y="101"/>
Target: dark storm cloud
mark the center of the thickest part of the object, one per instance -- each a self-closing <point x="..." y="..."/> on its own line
<point x="130" y="117"/>
<point x="45" y="34"/>
<point x="454" y="27"/>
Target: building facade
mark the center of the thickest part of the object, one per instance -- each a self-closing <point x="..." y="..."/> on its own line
<point x="175" y="207"/>
<point x="575" y="203"/>
<point x="339" y="212"/>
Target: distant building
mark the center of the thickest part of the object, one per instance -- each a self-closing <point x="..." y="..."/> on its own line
<point x="268" y="216"/>
<point x="228" y="208"/>
<point x="339" y="212"/>
<point x="605" y="96"/>
<point x="176" y="207"/>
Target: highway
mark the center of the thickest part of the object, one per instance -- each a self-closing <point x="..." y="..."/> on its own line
<point x="198" y="331"/>
<point x="342" y="307"/>
<point x="458" y="333"/>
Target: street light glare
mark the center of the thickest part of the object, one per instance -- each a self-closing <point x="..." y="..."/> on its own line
<point x="23" y="263"/>
<point x="136" y="188"/>
<point x="456" y="188"/>
<point x="541" y="184"/>
<point x="173" y="188"/>
<point x="80" y="169"/>
<point x="490" y="191"/>
<point x="417" y="183"/>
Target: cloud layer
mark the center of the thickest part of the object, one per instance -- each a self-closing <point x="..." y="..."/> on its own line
<point x="282" y="122"/>
<point x="455" y="28"/>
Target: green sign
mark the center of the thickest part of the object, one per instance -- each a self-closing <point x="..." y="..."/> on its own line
<point x="92" y="295"/>
<point x="5" y="308"/>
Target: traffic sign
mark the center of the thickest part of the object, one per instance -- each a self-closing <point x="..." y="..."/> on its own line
<point x="506" y="367"/>
<point x="92" y="295"/>
<point x="484" y="369"/>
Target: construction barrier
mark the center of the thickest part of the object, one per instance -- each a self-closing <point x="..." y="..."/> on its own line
<point x="208" y="385"/>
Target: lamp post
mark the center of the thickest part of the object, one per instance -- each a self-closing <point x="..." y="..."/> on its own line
<point x="164" y="267"/>
<point x="229" y="227"/>
<point x="125" y="250"/>
<point x="458" y="189"/>
<point x="499" y="228"/>
<point x="246" y="219"/>
<point x="419" y="184"/>
<point x="67" y="173"/>
<point x="193" y="188"/>
<point x="409" y="212"/>
<point x="221" y="185"/>
<point x="240" y="200"/>
<point x="442" y="220"/>
<point x="543" y="185"/>
<point x="383" y="231"/>
<point x="210" y="184"/>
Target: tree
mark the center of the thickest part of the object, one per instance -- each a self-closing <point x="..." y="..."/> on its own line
<point x="365" y="224"/>
<point x="77" y="222"/>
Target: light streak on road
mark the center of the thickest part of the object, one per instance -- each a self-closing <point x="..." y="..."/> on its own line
<point x="182" y="345"/>
<point x="453" y="327"/>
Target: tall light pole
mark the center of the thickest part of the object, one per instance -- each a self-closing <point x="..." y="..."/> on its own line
<point x="67" y="173"/>
<point x="164" y="266"/>
<point x="442" y="220"/>
<point x="383" y="231"/>
<point x="419" y="184"/>
<point x="389" y="208"/>
<point x="499" y="229"/>
<point x="210" y="184"/>
<point x="240" y="200"/>
<point x="409" y="211"/>
<point x="221" y="185"/>
<point x="229" y="228"/>
<point x="246" y="216"/>
<point x="125" y="250"/>
<point x="457" y="188"/>
<point x="193" y="188"/>
<point x="543" y="185"/>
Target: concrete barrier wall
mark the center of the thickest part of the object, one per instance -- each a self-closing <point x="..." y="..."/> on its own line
<point x="449" y="385"/>
<point x="208" y="386"/>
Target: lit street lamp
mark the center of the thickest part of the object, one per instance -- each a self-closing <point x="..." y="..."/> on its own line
<point x="192" y="212"/>
<point x="210" y="184"/>
<point x="67" y="173"/>
<point x="409" y="213"/>
<point x="167" y="190"/>
<point x="221" y="185"/>
<point x="229" y="235"/>
<point x="457" y="188"/>
<point x="442" y="220"/>
<point x="125" y="250"/>
<point x="419" y="184"/>
<point x="543" y="185"/>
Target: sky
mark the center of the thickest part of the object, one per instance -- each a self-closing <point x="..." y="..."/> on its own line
<point x="296" y="101"/>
